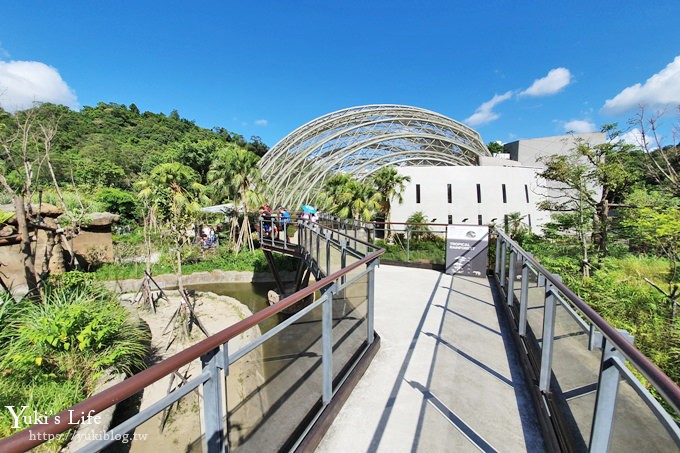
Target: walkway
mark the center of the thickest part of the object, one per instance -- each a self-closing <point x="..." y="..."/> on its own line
<point x="443" y="379"/>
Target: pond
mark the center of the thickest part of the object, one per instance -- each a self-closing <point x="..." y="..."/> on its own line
<point x="252" y="295"/>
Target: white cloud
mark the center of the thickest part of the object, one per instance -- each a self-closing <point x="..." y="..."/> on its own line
<point x="632" y="137"/>
<point x="660" y="90"/>
<point x="553" y="83"/>
<point x="261" y="122"/>
<point x="484" y="113"/>
<point x="24" y="82"/>
<point x="579" y="126"/>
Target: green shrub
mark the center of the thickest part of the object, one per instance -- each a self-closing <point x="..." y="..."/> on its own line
<point x="53" y="351"/>
<point x="119" y="202"/>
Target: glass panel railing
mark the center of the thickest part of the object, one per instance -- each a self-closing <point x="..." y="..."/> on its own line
<point x="579" y="361"/>
<point x="636" y="428"/>
<point x="177" y="427"/>
<point x="350" y="331"/>
<point x="273" y="389"/>
<point x="575" y="369"/>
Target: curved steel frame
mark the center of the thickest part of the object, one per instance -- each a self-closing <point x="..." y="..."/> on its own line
<point x="359" y="141"/>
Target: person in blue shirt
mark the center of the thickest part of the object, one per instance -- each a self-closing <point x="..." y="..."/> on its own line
<point x="284" y="219"/>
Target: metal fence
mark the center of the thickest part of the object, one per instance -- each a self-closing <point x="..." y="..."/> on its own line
<point x="423" y="243"/>
<point x="236" y="405"/>
<point x="594" y="386"/>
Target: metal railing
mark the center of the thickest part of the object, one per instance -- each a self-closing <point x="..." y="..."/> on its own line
<point x="408" y="235"/>
<point x="333" y="331"/>
<point x="593" y="400"/>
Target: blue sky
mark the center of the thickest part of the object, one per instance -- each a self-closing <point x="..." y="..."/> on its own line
<point x="510" y="69"/>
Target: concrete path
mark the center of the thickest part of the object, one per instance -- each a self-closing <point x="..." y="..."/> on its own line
<point x="443" y="379"/>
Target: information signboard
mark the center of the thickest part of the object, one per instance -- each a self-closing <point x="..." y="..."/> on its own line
<point x="467" y="249"/>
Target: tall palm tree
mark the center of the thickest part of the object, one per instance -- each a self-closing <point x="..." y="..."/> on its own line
<point x="348" y="197"/>
<point x="234" y="174"/>
<point x="172" y="193"/>
<point x="390" y="184"/>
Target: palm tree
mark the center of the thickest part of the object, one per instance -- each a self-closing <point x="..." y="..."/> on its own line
<point x="348" y="197"/>
<point x="417" y="226"/>
<point x="171" y="193"/>
<point x="233" y="175"/>
<point x="390" y="184"/>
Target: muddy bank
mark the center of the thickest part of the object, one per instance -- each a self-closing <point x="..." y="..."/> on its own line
<point x="198" y="278"/>
<point x="182" y="426"/>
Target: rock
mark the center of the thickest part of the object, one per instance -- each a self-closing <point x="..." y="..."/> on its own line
<point x="100" y="219"/>
<point x="7" y="230"/>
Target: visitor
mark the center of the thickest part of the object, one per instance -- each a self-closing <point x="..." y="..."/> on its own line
<point x="266" y="220"/>
<point x="284" y="220"/>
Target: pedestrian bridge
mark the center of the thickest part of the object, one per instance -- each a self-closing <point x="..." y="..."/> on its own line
<point x="388" y="358"/>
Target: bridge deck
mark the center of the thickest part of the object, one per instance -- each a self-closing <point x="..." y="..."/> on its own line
<point x="446" y="378"/>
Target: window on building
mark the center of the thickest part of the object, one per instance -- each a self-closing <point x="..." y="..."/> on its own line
<point x="529" y="220"/>
<point x="505" y="195"/>
<point x="450" y="219"/>
<point x="417" y="193"/>
<point x="526" y="192"/>
<point x="449" y="193"/>
<point x="505" y="222"/>
<point x="479" y="220"/>
<point x="479" y="193"/>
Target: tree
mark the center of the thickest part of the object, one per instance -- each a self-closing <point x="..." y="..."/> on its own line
<point x="495" y="147"/>
<point x="234" y="175"/>
<point x="662" y="162"/>
<point x="172" y="192"/>
<point x="26" y="145"/>
<point x="347" y="197"/>
<point x="390" y="185"/>
<point x="416" y="226"/>
<point x="652" y="223"/>
<point x="591" y="175"/>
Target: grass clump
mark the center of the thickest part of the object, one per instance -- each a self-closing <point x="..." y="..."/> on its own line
<point x="52" y="352"/>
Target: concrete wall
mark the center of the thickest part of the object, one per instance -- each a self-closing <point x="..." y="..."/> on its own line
<point x="434" y="181"/>
<point x="518" y="174"/>
<point x="530" y="152"/>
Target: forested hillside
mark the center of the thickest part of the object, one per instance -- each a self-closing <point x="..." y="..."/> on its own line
<point x="111" y="145"/>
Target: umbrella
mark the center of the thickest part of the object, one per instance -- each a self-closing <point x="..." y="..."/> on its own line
<point x="308" y="208"/>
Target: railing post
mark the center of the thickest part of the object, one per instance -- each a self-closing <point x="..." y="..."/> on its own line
<point x="504" y="248"/>
<point x="328" y="251"/>
<point x="605" y="403"/>
<point x="371" y="300"/>
<point x="271" y="230"/>
<point x="213" y="439"/>
<point x="511" y="278"/>
<point x="318" y="247"/>
<point x="547" y="339"/>
<point x="408" y="244"/>
<point x="327" y="345"/>
<point x="524" y="300"/>
<point x="498" y="255"/>
<point x="343" y="258"/>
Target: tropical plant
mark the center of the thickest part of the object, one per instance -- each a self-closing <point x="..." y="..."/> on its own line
<point x="172" y="193"/>
<point x="347" y="197"/>
<point x="390" y="184"/>
<point x="417" y="227"/>
<point x="51" y="353"/>
<point x="234" y="175"/>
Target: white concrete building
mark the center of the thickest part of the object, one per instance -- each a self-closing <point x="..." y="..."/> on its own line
<point x="486" y="193"/>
